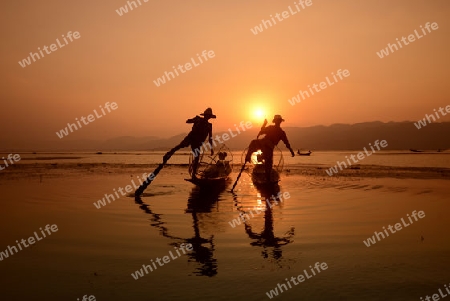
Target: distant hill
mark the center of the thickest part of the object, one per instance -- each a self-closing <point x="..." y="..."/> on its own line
<point x="399" y="135"/>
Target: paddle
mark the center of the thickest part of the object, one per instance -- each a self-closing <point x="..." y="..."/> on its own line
<point x="145" y="184"/>
<point x="149" y="180"/>
<point x="239" y="175"/>
<point x="243" y="166"/>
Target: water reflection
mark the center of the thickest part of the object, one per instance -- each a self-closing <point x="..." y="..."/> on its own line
<point x="200" y="201"/>
<point x="266" y="238"/>
<point x="203" y="201"/>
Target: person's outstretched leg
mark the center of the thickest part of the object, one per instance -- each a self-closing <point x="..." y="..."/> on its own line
<point x="184" y="143"/>
<point x="170" y="153"/>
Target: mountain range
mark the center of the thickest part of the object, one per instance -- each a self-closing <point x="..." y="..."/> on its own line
<point x="399" y="136"/>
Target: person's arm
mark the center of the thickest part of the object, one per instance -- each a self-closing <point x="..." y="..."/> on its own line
<point x="262" y="132"/>
<point x="192" y="120"/>
<point x="259" y="134"/>
<point x="286" y="142"/>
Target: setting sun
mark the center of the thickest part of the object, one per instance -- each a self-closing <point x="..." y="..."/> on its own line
<point x="259" y="113"/>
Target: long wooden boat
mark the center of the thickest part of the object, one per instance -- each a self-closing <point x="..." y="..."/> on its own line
<point x="208" y="181"/>
<point x="258" y="171"/>
<point x="259" y="176"/>
<point x="213" y="171"/>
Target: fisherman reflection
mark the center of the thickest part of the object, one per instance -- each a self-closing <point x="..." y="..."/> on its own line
<point x="271" y="244"/>
<point x="200" y="201"/>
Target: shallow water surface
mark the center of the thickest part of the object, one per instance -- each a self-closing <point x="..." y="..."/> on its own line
<point x="95" y="251"/>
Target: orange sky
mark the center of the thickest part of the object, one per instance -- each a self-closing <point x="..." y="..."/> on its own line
<point x="118" y="57"/>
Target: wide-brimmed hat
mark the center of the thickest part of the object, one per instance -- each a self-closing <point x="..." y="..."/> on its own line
<point x="277" y="117"/>
<point x="208" y="112"/>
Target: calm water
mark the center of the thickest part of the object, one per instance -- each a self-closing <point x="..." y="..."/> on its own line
<point x="399" y="159"/>
<point x="95" y="251"/>
<point x="325" y="219"/>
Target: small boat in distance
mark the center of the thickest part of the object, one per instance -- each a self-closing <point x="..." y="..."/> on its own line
<point x="304" y="154"/>
<point x="427" y="151"/>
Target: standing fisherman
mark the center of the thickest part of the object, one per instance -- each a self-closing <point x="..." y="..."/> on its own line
<point x="201" y="129"/>
<point x="273" y="135"/>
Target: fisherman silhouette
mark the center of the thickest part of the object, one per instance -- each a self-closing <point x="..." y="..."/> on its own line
<point x="201" y="129"/>
<point x="273" y="135"/>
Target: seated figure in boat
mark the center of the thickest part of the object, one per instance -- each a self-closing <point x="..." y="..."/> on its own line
<point x="273" y="135"/>
<point x="221" y="169"/>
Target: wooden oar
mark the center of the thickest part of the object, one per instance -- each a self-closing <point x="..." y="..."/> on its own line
<point x="239" y="175"/>
<point x="145" y="184"/>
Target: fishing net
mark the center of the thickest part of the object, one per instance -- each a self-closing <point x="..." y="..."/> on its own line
<point x="220" y="165"/>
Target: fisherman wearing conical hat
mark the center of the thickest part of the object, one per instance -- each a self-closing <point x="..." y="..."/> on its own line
<point x="201" y="129"/>
<point x="273" y="135"/>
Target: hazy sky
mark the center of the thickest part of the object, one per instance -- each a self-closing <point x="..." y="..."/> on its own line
<point x="117" y="58"/>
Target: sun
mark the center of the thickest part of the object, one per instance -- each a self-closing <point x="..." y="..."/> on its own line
<point x="257" y="109"/>
<point x="258" y="113"/>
